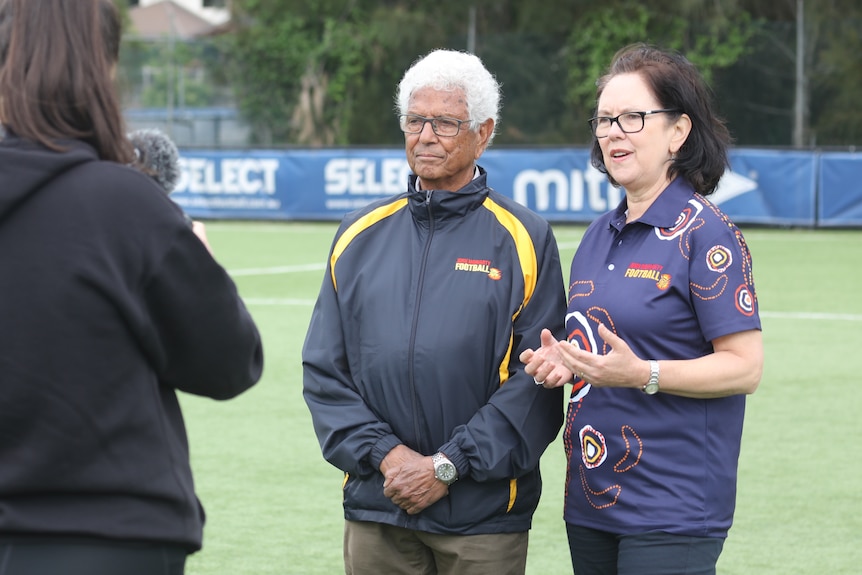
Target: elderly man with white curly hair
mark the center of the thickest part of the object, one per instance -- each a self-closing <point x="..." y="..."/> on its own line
<point x="411" y="361"/>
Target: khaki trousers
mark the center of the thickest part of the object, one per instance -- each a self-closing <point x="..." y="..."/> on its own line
<point x="378" y="549"/>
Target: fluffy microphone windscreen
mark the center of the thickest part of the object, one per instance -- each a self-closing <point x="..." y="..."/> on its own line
<point x="157" y="156"/>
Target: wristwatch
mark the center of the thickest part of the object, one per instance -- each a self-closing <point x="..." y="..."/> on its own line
<point x="444" y="470"/>
<point x="651" y="387"/>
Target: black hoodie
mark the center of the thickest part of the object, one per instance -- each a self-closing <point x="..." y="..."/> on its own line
<point x="108" y="305"/>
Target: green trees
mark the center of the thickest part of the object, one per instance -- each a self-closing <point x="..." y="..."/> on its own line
<point x="324" y="72"/>
<point x="711" y="37"/>
<point x="801" y="73"/>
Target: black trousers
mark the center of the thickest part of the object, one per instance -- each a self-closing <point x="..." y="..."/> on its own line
<point x="655" y="553"/>
<point x="52" y="557"/>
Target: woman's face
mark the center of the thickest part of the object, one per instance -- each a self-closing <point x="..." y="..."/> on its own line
<point x="639" y="161"/>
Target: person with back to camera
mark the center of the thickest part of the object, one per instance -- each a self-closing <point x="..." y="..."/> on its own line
<point x="663" y="333"/>
<point x="110" y="305"/>
<point x="411" y="369"/>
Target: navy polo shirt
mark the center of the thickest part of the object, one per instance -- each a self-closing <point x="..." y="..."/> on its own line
<point x="667" y="284"/>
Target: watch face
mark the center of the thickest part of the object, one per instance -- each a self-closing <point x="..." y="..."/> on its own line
<point x="446" y="472"/>
<point x="650" y="388"/>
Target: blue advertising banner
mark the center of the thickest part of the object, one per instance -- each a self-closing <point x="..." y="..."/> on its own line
<point x="558" y="183"/>
<point x="840" y="198"/>
<point x="286" y="185"/>
<point x="769" y="187"/>
<point x="762" y="186"/>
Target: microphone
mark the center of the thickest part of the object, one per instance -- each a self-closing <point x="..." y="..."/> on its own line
<point x="157" y="156"/>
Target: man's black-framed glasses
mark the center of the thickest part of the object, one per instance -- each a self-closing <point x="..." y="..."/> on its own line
<point x="446" y="127"/>
<point x="629" y="122"/>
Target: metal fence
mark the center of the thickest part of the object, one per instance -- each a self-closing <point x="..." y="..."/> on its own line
<point x="217" y="128"/>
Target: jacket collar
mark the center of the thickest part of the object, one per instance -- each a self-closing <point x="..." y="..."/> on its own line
<point x="441" y="205"/>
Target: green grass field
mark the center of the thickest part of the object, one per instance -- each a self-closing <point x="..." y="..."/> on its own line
<point x="274" y="504"/>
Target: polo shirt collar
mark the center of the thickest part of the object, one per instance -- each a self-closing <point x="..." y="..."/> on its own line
<point x="665" y="209"/>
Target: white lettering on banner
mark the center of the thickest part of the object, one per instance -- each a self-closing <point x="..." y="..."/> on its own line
<point x="228" y="176"/>
<point x="569" y="190"/>
<point x="359" y="176"/>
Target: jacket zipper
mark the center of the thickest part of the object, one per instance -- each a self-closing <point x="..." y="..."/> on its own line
<point x="410" y="365"/>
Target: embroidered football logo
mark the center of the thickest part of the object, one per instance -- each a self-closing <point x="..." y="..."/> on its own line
<point x="650" y="272"/>
<point x="664" y="282"/>
<point x="481" y="266"/>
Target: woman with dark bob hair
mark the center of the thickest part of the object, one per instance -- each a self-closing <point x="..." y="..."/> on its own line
<point x="663" y="332"/>
<point x="110" y="305"/>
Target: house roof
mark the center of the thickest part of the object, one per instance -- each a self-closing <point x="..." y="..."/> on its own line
<point x="165" y="19"/>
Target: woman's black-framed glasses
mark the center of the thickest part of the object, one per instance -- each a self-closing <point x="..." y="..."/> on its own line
<point x="446" y="127"/>
<point x="629" y="122"/>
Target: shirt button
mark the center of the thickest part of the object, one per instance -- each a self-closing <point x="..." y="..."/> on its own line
<point x="611" y="267"/>
<point x="619" y="243"/>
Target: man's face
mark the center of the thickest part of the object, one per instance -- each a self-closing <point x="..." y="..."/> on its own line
<point x="444" y="162"/>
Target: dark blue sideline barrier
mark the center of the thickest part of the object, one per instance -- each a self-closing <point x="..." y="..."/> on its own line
<point x="839" y="201"/>
<point x="770" y="187"/>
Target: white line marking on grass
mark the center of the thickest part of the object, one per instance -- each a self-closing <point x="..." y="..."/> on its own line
<point x="277" y="301"/>
<point x="278" y="270"/>
<point x="320" y="267"/>
<point x="272" y="227"/>
<point x="811" y="315"/>
<point x="764" y="314"/>
<point x="567" y="245"/>
<point x="827" y="235"/>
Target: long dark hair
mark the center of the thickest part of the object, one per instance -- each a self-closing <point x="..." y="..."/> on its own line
<point x="678" y="85"/>
<point x="57" y="59"/>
